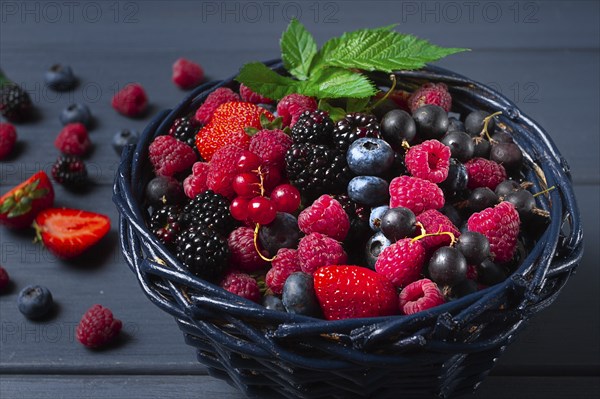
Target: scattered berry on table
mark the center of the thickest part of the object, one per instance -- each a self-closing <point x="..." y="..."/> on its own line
<point x="204" y="252"/>
<point x="248" y="95"/>
<point x="298" y="295"/>
<point x="166" y="224"/>
<point x="434" y="221"/>
<point x="187" y="74"/>
<point x="282" y="232"/>
<point x="271" y="146"/>
<point x="123" y="138"/>
<point x="315" y="127"/>
<point x="369" y="190"/>
<point x="35" y="301"/>
<point x="474" y="246"/>
<point x="420" y="295"/>
<point x="285" y="263"/>
<point x="292" y="106"/>
<point x="402" y="261"/>
<point x="429" y="160"/>
<point x="353" y="127"/>
<point x="416" y="194"/>
<point x="430" y="93"/>
<point x="170" y="156"/>
<point x="131" y="100"/>
<point x="76" y="113"/>
<point x="8" y="138"/>
<point x="20" y="205"/>
<point x="484" y="173"/>
<point x="97" y="327"/>
<point x="370" y="156"/>
<point x="432" y="121"/>
<point x="376" y="244"/>
<point x="326" y="216"/>
<point x="397" y="223"/>
<point x="396" y="126"/>
<point x="481" y="198"/>
<point x="241" y="284"/>
<point x="243" y="252"/>
<point x="475" y="120"/>
<point x="461" y="145"/>
<point x="4" y="279"/>
<point x="15" y="103"/>
<point x="213" y="101"/>
<point x="500" y="225"/>
<point x="209" y="210"/>
<point x="68" y="233"/>
<point x="316" y="250"/>
<point x="73" y="139"/>
<point x="164" y="190"/>
<point x="69" y="170"/>
<point x="60" y="78"/>
<point x="285" y="198"/>
<point x="352" y="291"/>
<point x="447" y="266"/>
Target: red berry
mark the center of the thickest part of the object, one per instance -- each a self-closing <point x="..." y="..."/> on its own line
<point x="241" y="284"/>
<point x="243" y="252"/>
<point x="170" y="156"/>
<point x="293" y="105"/>
<point x="248" y="161"/>
<point x="261" y="210"/>
<point x="8" y="137"/>
<point x="195" y="183"/>
<point x="271" y="146"/>
<point x="500" y="225"/>
<point x="420" y="295"/>
<point x="239" y="208"/>
<point x="222" y="170"/>
<point x="97" y="327"/>
<point x="285" y="198"/>
<point x="131" y="100"/>
<point x="429" y="160"/>
<point x="73" y="139"/>
<point x="416" y="194"/>
<point x="4" y="279"/>
<point x="271" y="176"/>
<point x="484" y="173"/>
<point x="246" y="185"/>
<point x="431" y="93"/>
<point x="248" y="95"/>
<point x="316" y="250"/>
<point x="402" y="262"/>
<point x="285" y="263"/>
<point x="325" y="216"/>
<point x="215" y="99"/>
<point x="187" y="74"/>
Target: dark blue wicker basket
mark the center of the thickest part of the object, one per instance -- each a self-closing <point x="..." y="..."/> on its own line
<point x="440" y="352"/>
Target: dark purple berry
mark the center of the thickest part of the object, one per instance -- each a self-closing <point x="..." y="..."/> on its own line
<point x="299" y="295"/>
<point x="457" y="179"/>
<point x="35" y="301"/>
<point x="447" y="266"/>
<point x="523" y="201"/>
<point x="283" y="232"/>
<point x="398" y="223"/>
<point x="474" y="123"/>
<point x="481" y="198"/>
<point x="397" y="125"/>
<point x="474" y="246"/>
<point x="482" y="148"/>
<point x="376" y="244"/>
<point x="432" y="121"/>
<point x="507" y="154"/>
<point x="490" y="273"/>
<point x="461" y="145"/>
<point x="163" y="190"/>
<point x="507" y="187"/>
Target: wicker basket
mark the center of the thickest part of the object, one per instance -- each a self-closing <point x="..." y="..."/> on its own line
<point x="440" y="352"/>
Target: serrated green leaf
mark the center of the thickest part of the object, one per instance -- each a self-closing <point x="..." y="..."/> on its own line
<point x="262" y="80"/>
<point x="335" y="113"/>
<point x="336" y="83"/>
<point x="7" y="204"/>
<point x="298" y="48"/>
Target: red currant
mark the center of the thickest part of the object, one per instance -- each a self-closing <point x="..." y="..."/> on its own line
<point x="246" y="185"/>
<point x="285" y="198"/>
<point x="239" y="208"/>
<point x="261" y="210"/>
<point x="248" y="161"/>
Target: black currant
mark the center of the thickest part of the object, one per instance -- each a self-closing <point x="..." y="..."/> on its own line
<point x="457" y="179"/>
<point x="507" y="154"/>
<point x="447" y="266"/>
<point x="432" y="121"/>
<point x="507" y="187"/>
<point x="523" y="201"/>
<point x="490" y="273"/>
<point x="398" y="125"/>
<point x="398" y="223"/>
<point x="461" y="145"/>
<point x="481" y="198"/>
<point x="474" y="123"/>
<point x="474" y="246"/>
<point x="481" y="148"/>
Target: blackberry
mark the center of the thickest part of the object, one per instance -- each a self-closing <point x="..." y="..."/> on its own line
<point x="15" y="103"/>
<point x="209" y="210"/>
<point x="166" y="223"/>
<point x="314" y="127"/>
<point x="203" y="251"/>
<point x="69" y="170"/>
<point x="359" y="231"/>
<point x="316" y="169"/>
<point x="353" y="127"/>
<point x="185" y="129"/>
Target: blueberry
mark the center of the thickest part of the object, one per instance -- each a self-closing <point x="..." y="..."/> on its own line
<point x="474" y="246"/>
<point x="271" y="302"/>
<point x="481" y="198"/>
<point x="164" y="190"/>
<point x="397" y="125"/>
<point x="369" y="190"/>
<point x="398" y="223"/>
<point x="447" y="266"/>
<point x="457" y="179"/>
<point x="35" y="301"/>
<point x="60" y="78"/>
<point x="370" y="156"/>
<point x="474" y="123"/>
<point x="376" y="244"/>
<point x="375" y="217"/>
<point x="507" y="154"/>
<point x="299" y="295"/>
<point x="124" y="138"/>
<point x="461" y="145"/>
<point x="76" y="113"/>
<point x="432" y="121"/>
<point x="283" y="232"/>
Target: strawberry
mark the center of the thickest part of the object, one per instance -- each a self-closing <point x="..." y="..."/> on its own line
<point x="227" y="127"/>
<point x="69" y="232"/>
<point x="352" y="291"/>
<point x="19" y="206"/>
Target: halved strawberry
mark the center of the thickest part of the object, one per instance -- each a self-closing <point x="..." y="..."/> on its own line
<point x="69" y="232"/>
<point x="19" y="206"/>
<point x="227" y="126"/>
<point x="346" y="292"/>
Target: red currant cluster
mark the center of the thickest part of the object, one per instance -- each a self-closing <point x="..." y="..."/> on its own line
<point x="259" y="192"/>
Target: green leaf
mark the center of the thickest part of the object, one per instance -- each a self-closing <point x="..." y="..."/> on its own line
<point x="335" y="113"/>
<point x="298" y="48"/>
<point x="379" y="50"/>
<point x="357" y="104"/>
<point x="336" y="83"/>
<point x="262" y="80"/>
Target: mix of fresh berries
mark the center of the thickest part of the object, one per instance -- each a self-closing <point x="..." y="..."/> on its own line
<point x="97" y="327"/>
<point x="370" y="214"/>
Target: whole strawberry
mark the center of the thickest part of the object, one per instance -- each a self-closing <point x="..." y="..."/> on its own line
<point x="500" y="225"/>
<point x="19" y="206"/>
<point x="431" y="93"/>
<point x="15" y="103"/>
<point x="346" y="292"/>
<point x="402" y="262"/>
<point x="97" y="327"/>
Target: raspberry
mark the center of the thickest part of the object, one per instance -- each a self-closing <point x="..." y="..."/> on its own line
<point x="131" y="100"/>
<point x="420" y="295"/>
<point x="429" y="160"/>
<point x="170" y="156"/>
<point x="271" y="146"/>
<point x="243" y="252"/>
<point x="435" y="222"/>
<point x="325" y="216"/>
<point x="316" y="250"/>
<point x="222" y="170"/>
<point x="73" y="139"/>
<point x="293" y="105"/>
<point x="97" y="327"/>
<point x="218" y="97"/>
<point x="430" y="93"/>
<point x="402" y="261"/>
<point x="241" y="284"/>
<point x="187" y="74"/>
<point x="8" y="138"/>
<point x="285" y="263"/>
<point x="500" y="225"/>
<point x="4" y="279"/>
<point x="248" y="95"/>
<point x="416" y="194"/>
<point x="195" y="183"/>
<point x="484" y="173"/>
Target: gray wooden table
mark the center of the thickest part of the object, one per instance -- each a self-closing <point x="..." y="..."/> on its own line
<point x="543" y="55"/>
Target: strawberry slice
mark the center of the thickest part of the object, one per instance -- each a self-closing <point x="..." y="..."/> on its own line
<point x="346" y="292"/>
<point x="19" y="206"/>
<point x="69" y="232"/>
